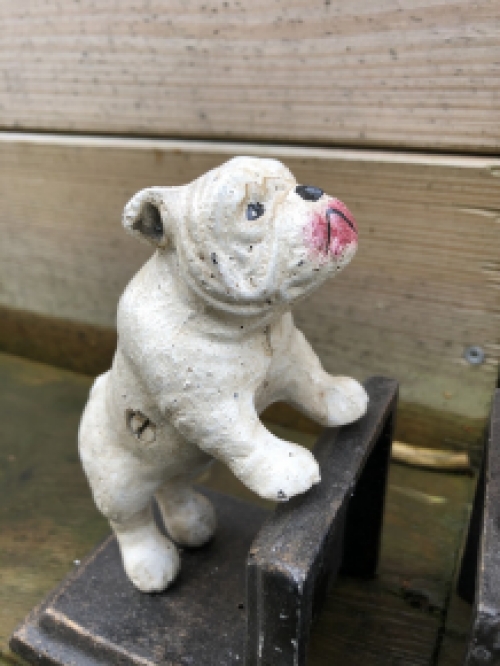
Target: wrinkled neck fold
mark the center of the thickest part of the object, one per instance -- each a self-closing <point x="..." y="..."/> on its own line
<point x="215" y="316"/>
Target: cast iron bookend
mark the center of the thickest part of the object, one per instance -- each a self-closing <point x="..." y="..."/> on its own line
<point x="479" y="580"/>
<point x="220" y="612"/>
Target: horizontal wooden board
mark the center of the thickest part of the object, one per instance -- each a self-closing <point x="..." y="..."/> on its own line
<point x="406" y="73"/>
<point x="424" y="285"/>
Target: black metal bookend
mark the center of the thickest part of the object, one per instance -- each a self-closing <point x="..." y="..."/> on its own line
<point x="299" y="551"/>
<point x="219" y="612"/>
<point x="479" y="579"/>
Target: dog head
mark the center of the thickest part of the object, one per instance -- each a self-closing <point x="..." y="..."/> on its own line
<point x="248" y="238"/>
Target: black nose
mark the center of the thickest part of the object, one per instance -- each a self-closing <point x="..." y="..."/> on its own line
<point x="308" y="192"/>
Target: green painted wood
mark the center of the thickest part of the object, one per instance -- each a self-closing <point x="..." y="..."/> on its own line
<point x="47" y="518"/>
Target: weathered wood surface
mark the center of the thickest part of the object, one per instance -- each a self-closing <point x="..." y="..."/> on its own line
<point x="456" y="632"/>
<point x="419" y="73"/>
<point x="47" y="521"/>
<point x="423" y="286"/>
<point x="398" y="618"/>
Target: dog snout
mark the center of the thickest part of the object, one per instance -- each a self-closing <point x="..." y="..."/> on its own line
<point x="338" y="209"/>
<point x="334" y="211"/>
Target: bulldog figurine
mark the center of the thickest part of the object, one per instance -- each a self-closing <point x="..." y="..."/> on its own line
<point x="206" y="341"/>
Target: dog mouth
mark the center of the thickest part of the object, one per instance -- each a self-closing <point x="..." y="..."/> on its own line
<point x="336" y="211"/>
<point x="331" y="231"/>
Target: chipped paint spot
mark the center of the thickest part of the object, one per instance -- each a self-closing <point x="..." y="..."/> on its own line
<point x="140" y="426"/>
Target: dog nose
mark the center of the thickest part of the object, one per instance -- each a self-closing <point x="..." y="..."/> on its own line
<point x="308" y="192"/>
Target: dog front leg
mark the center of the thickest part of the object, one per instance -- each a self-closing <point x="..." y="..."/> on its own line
<point x="331" y="401"/>
<point x="229" y="429"/>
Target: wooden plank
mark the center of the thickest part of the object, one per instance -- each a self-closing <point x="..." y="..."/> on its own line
<point x="423" y="286"/>
<point x="47" y="517"/>
<point x="74" y="345"/>
<point x="419" y="73"/>
<point x="456" y="631"/>
<point x="398" y="618"/>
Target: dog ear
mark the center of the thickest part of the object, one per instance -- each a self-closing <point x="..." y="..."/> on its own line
<point x="147" y="215"/>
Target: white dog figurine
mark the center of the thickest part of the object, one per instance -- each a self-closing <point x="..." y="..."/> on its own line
<point x="206" y="341"/>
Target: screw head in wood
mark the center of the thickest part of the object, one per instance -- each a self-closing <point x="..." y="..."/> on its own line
<point x="474" y="355"/>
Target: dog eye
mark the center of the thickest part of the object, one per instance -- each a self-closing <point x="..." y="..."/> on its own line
<point x="255" y="210"/>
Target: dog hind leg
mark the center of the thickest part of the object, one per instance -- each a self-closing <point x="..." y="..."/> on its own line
<point x="123" y="488"/>
<point x="188" y="516"/>
<point x="150" y="559"/>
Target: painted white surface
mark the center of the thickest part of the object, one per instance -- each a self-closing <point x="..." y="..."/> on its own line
<point x="206" y="342"/>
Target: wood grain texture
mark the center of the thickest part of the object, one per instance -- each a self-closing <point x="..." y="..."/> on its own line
<point x="424" y="285"/>
<point x="414" y="73"/>
<point x="398" y="618"/>
<point x="73" y="345"/>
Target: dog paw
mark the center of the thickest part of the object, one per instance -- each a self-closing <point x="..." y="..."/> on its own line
<point x="347" y="401"/>
<point x="190" y="522"/>
<point x="280" y="472"/>
<point x="151" y="564"/>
